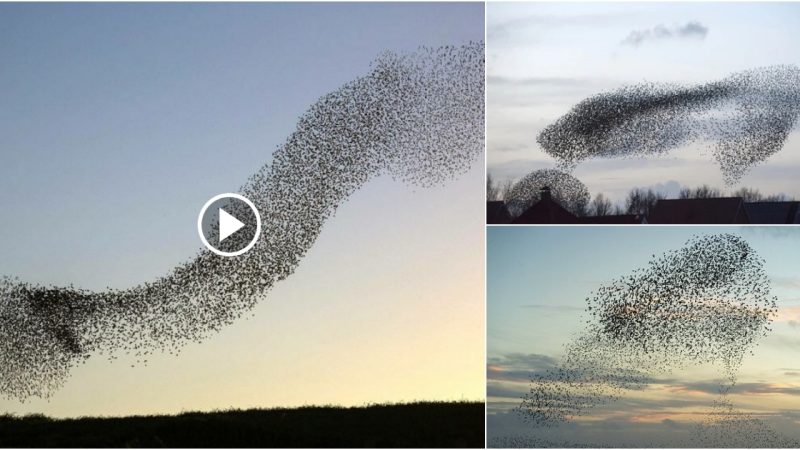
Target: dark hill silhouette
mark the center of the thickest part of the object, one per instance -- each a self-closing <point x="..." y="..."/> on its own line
<point x="423" y="424"/>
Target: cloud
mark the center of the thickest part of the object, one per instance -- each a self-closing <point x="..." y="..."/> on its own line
<point x="559" y="308"/>
<point x="671" y="188"/>
<point x="691" y="30"/>
<point x="522" y="361"/>
<point x="785" y="282"/>
<point x="547" y="82"/>
<point x="713" y="388"/>
<point x="497" y="31"/>
<point x="520" y="368"/>
<point x="789" y="314"/>
<point x="496" y="390"/>
<point x="776" y="233"/>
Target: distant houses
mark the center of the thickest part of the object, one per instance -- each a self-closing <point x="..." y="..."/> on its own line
<point x="723" y="210"/>
<point x="546" y="210"/>
<point x="617" y="219"/>
<point x="728" y="210"/>
<point x="773" y="212"/>
<point x="496" y="212"/>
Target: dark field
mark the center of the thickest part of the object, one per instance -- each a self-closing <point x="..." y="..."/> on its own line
<point x="424" y="424"/>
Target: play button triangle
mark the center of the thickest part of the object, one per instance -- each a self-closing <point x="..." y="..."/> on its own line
<point x="227" y="224"/>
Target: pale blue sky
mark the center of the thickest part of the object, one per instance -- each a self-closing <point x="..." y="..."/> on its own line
<point x="120" y="120"/>
<point x="123" y="119"/>
<point x="538" y="279"/>
<point x="542" y="58"/>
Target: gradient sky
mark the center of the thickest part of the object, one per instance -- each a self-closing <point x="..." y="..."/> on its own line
<point x="120" y="120"/>
<point x="537" y="281"/>
<point x="543" y="58"/>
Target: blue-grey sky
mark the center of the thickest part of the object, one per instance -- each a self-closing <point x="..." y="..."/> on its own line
<point x="538" y="279"/>
<point x="543" y="58"/>
<point x="120" y="120"/>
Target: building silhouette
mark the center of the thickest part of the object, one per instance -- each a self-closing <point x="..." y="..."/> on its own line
<point x="722" y="210"/>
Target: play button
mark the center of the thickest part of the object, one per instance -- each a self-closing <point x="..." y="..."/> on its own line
<point x="229" y="224"/>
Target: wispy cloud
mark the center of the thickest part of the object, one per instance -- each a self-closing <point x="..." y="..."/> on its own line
<point x="505" y="29"/>
<point x="786" y="282"/>
<point x="558" y="308"/>
<point x="522" y="361"/>
<point x="790" y="314"/>
<point x="547" y="82"/>
<point x="690" y="30"/>
<point x="713" y="388"/>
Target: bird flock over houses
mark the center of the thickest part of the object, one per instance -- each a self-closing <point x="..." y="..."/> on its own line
<point x="569" y="191"/>
<point x="745" y="117"/>
<point x="417" y="117"/>
<point x="743" y="120"/>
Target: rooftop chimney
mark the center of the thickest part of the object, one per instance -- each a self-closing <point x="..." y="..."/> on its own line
<point x="544" y="194"/>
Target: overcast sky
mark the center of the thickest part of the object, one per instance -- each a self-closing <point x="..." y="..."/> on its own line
<point x="538" y="282"/>
<point x="120" y="120"/>
<point x="543" y="58"/>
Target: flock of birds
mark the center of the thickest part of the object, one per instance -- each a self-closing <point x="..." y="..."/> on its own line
<point x="567" y="190"/>
<point x="747" y="116"/>
<point x="705" y="303"/>
<point x="418" y="117"/>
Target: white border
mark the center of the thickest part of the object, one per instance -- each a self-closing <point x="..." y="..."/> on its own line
<point x="203" y="212"/>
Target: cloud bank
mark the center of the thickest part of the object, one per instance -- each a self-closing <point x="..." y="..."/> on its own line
<point x="690" y="30"/>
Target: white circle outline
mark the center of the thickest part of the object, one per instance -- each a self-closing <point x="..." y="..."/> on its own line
<point x="203" y="212"/>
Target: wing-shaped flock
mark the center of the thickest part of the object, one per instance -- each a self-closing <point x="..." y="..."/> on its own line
<point x="705" y="303"/>
<point x="418" y="117"/>
<point x="745" y="117"/>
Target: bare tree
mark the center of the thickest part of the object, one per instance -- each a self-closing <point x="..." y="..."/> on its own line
<point x="497" y="191"/>
<point x="754" y="196"/>
<point x="704" y="191"/>
<point x="504" y="189"/>
<point x="492" y="190"/>
<point x="600" y="206"/>
<point x="642" y="201"/>
<point x="749" y="195"/>
<point x="778" y="198"/>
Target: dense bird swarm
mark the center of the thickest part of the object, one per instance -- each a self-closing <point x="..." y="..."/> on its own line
<point x="567" y="190"/>
<point x="727" y="427"/>
<point x="521" y="441"/>
<point x="418" y="117"/>
<point x="747" y="118"/>
<point x="707" y="302"/>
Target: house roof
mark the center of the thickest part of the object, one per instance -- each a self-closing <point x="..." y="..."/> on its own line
<point x="496" y="212"/>
<point x="613" y="219"/>
<point x="772" y="212"/>
<point x="546" y="210"/>
<point x="699" y="211"/>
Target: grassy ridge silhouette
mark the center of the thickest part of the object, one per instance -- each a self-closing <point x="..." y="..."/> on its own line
<point x="419" y="424"/>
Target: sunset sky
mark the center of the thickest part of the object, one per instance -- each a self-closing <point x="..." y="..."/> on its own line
<point x="543" y="58"/>
<point x="538" y="282"/>
<point x="120" y="121"/>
